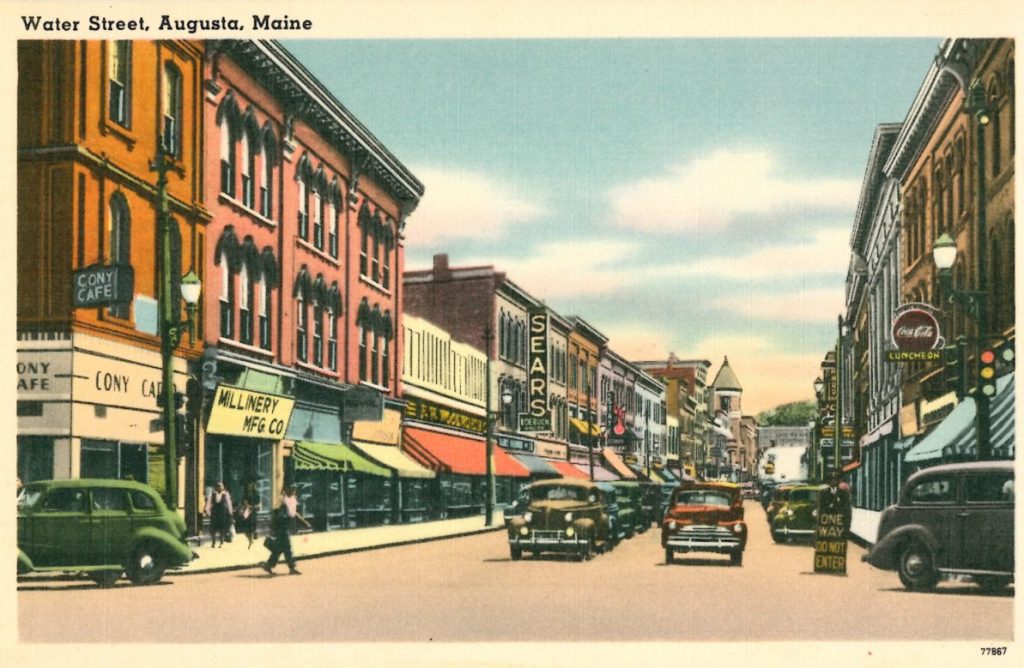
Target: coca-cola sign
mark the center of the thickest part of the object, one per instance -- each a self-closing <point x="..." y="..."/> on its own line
<point x="915" y="330"/>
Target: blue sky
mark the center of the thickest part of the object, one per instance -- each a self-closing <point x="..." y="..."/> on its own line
<point x="684" y="195"/>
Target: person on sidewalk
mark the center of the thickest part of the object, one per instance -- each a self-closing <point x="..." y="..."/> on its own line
<point x="220" y="512"/>
<point x="280" y="531"/>
<point x="246" y="522"/>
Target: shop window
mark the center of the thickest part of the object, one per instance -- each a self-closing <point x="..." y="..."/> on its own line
<point x="119" y="76"/>
<point x="171" y="128"/>
<point x="110" y="459"/>
<point x="35" y="458"/>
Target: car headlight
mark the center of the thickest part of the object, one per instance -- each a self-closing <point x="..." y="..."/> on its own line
<point x="737" y="528"/>
<point x="789" y="513"/>
<point x="568" y="517"/>
<point x="524" y="531"/>
<point x="528" y="516"/>
<point x="814" y="513"/>
<point x="672" y="526"/>
<point x="570" y="532"/>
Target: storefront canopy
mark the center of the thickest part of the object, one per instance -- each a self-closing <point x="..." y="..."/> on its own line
<point x="393" y="458"/>
<point x="584" y="427"/>
<point x="567" y="470"/>
<point x="601" y="474"/>
<point x="1001" y="431"/>
<point x="536" y="466"/>
<point x="310" y="456"/>
<point x="448" y="453"/>
<point x="616" y="464"/>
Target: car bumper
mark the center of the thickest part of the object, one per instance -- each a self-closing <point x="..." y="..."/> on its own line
<point x="786" y="531"/>
<point x="705" y="540"/>
<point x="547" y="540"/>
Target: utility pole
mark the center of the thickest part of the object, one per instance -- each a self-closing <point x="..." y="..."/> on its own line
<point x="489" y="501"/>
<point x="590" y="428"/>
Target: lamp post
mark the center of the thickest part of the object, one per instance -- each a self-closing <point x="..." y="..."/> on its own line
<point x="590" y="427"/>
<point x="819" y="389"/>
<point x="837" y="462"/>
<point x="171" y="324"/>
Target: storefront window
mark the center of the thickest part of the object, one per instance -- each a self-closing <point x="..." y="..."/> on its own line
<point x="414" y="500"/>
<point x="110" y="459"/>
<point x="238" y="462"/>
<point x="35" y="458"/>
<point x="369" y="499"/>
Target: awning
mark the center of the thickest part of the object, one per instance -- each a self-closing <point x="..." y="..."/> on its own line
<point x="310" y="456"/>
<point x="568" y="470"/>
<point x="582" y="425"/>
<point x="851" y="466"/>
<point x="652" y="475"/>
<point x="616" y="464"/>
<point x="536" y="466"/>
<point x="393" y="458"/>
<point x="950" y="430"/>
<point x="668" y="475"/>
<point x="315" y="426"/>
<point x="447" y="453"/>
<point x="1001" y="430"/>
<point x="601" y="474"/>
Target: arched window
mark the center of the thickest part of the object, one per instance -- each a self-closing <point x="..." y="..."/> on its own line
<point x="301" y="329"/>
<point x="267" y="186"/>
<point x="332" y="340"/>
<point x="318" y="219"/>
<point x="363" y="333"/>
<point x="375" y="265"/>
<point x="318" y="333"/>
<point x="245" y="305"/>
<point x="248" y="170"/>
<point x="120" y="244"/>
<point x="265" y="312"/>
<point x="171" y="108"/>
<point x="332" y="237"/>
<point x="119" y="76"/>
<point x="227" y="299"/>
<point x="227" y="157"/>
<point x="303" y="210"/>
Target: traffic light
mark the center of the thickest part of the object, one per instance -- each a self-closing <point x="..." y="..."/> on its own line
<point x="987" y="372"/>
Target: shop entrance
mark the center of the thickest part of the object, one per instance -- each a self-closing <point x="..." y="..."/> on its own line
<point x="238" y="463"/>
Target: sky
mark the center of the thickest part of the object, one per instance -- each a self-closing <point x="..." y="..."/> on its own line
<point x="693" y="196"/>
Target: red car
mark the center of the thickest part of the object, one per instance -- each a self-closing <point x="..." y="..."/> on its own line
<point x="705" y="517"/>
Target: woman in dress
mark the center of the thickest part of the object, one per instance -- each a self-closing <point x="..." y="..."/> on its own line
<point x="218" y="509"/>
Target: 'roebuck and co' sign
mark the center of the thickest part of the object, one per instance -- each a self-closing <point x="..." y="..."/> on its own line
<point x="538" y="414"/>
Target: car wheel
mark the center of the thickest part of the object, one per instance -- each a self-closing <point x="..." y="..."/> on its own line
<point x="146" y="566"/>
<point x="516" y="553"/>
<point x="917" y="568"/>
<point x="670" y="555"/>
<point x="736" y="558"/>
<point x="993" y="583"/>
<point x="105" y="579"/>
<point x="778" y="536"/>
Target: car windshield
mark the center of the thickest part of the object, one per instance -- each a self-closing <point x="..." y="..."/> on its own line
<point x="702" y="497"/>
<point x="803" y="495"/>
<point x="559" y="493"/>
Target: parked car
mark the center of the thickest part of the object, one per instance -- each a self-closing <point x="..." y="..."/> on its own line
<point x="779" y="497"/>
<point x="950" y="519"/>
<point x="705" y="517"/>
<point x="798" y="516"/>
<point x="101" y="528"/>
<point x="610" y="498"/>
<point x="629" y="497"/>
<point x="564" y="515"/>
<point x="749" y="490"/>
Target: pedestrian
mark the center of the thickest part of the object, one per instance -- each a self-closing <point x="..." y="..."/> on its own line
<point x="219" y="510"/>
<point x="280" y="542"/>
<point x="246" y="521"/>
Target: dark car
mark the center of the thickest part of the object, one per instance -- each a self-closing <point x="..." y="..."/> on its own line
<point x="631" y="513"/>
<point x="798" y="516"/>
<point x="611" y="503"/>
<point x="564" y="515"/>
<point x="102" y="528"/>
<point x="950" y="519"/>
<point x="779" y="497"/>
<point x="705" y="517"/>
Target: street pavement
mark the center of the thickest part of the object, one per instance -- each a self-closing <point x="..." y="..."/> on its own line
<point x="467" y="589"/>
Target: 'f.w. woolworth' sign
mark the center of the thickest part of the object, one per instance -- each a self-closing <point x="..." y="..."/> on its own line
<point x="915" y="335"/>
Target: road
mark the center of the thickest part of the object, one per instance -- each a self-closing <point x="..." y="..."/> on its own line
<point x="467" y="589"/>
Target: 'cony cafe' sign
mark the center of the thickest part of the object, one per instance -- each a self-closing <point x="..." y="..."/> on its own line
<point x="101" y="285"/>
<point x="538" y="414"/>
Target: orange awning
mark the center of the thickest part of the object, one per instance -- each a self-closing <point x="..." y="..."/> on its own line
<point x="568" y="470"/>
<point x="851" y="466"/>
<point x="448" y="453"/>
<point x="617" y="465"/>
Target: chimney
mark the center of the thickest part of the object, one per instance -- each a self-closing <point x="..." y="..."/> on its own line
<point x="441" y="270"/>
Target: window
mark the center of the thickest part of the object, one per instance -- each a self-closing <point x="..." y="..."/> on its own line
<point x="364" y="240"/>
<point x="375" y="275"/>
<point x="385" y="277"/>
<point x="245" y="306"/>
<point x="318" y="334"/>
<point x="142" y="501"/>
<point x="332" y="239"/>
<point x="227" y="159"/>
<point x="300" y="331"/>
<point x="332" y="341"/>
<point x="227" y="299"/>
<point x="65" y="500"/>
<point x="264" y="313"/>
<point x="119" y="76"/>
<point x="935" y="490"/>
<point x="375" y="361"/>
<point x="109" y="498"/>
<point x="248" y="169"/>
<point x="303" y="210"/>
<point x="120" y="244"/>
<point x="171" y="128"/>
<point x="990" y="488"/>
<point x="267" y="187"/>
<point x="362" y="353"/>
<point x="318" y="220"/>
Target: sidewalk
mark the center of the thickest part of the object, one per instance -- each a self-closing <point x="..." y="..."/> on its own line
<point x="237" y="554"/>
<point x="864" y="526"/>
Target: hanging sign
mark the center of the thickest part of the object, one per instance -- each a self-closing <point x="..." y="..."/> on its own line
<point x="103" y="285"/>
<point x="538" y="415"/>
<point x="915" y="335"/>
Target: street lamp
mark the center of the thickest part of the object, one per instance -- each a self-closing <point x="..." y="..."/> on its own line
<point x="171" y="324"/>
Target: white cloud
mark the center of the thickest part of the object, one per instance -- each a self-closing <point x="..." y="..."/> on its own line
<point x="462" y="204"/>
<point x="570" y="268"/>
<point x="711" y="191"/>
<point x="769" y="376"/>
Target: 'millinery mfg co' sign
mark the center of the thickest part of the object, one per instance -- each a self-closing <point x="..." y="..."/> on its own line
<point x="538" y="415"/>
<point x="915" y="335"/>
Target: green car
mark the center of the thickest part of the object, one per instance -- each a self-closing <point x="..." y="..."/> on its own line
<point x="798" y="516"/>
<point x="631" y="513"/>
<point x="101" y="528"/>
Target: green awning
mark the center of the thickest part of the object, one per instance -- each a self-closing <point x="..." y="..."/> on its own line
<point x="311" y="456"/>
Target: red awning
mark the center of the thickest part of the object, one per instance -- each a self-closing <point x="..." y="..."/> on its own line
<point x="455" y="454"/>
<point x="568" y="470"/>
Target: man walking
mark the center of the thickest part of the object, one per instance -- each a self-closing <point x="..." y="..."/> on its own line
<point x="280" y="531"/>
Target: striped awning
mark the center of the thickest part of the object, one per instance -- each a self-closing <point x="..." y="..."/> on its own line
<point x="393" y="458"/>
<point x="601" y="474"/>
<point x="567" y="470"/>
<point x="582" y="427"/>
<point x="535" y="465"/>
<point x="1002" y="426"/>
<point x="310" y="456"/>
<point x="616" y="464"/>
